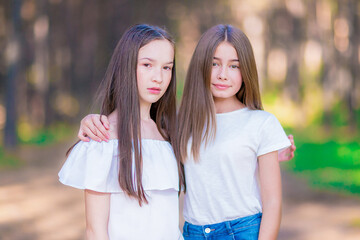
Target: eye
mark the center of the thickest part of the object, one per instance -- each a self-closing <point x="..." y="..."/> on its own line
<point x="215" y="64"/>
<point x="167" y="68"/>
<point x="146" y="65"/>
<point x="234" y="66"/>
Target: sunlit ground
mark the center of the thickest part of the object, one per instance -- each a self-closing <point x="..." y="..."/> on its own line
<point x="311" y="214"/>
<point x="33" y="205"/>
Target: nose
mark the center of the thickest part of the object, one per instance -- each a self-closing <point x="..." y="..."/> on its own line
<point x="222" y="73"/>
<point x="157" y="76"/>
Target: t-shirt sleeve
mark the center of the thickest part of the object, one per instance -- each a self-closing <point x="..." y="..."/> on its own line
<point x="92" y="165"/>
<point x="272" y="136"/>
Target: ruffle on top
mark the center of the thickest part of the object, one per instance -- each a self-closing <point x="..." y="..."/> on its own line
<point x="95" y="166"/>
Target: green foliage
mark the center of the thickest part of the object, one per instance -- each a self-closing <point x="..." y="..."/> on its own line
<point x="7" y="160"/>
<point x="180" y="80"/>
<point x="331" y="154"/>
<point x="340" y="114"/>
<point x="45" y="136"/>
<point x="270" y="97"/>
<point x="357" y="114"/>
<point x="332" y="164"/>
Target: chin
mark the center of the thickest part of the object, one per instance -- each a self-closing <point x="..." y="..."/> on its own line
<point x="222" y="95"/>
<point x="153" y="100"/>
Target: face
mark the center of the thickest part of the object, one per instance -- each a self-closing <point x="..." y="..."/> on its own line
<point x="225" y="75"/>
<point x="154" y="68"/>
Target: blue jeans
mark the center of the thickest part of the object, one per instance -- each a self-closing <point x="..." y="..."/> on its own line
<point x="246" y="228"/>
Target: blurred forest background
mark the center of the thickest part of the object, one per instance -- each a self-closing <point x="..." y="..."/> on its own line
<point x="54" y="54"/>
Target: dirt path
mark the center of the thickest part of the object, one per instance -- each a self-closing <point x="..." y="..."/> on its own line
<point x="33" y="205"/>
<point x="309" y="214"/>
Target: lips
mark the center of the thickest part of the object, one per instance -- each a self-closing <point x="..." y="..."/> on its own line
<point x="154" y="90"/>
<point x="221" y="86"/>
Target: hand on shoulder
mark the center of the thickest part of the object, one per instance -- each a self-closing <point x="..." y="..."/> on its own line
<point x="288" y="153"/>
<point x="94" y="126"/>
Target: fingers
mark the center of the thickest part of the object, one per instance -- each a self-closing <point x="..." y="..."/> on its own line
<point x="288" y="153"/>
<point x="283" y="155"/>
<point x="105" y="121"/>
<point x="101" y="132"/>
<point x="91" y="133"/>
<point x="88" y="128"/>
<point x="82" y="136"/>
<point x="292" y="147"/>
<point x="291" y="138"/>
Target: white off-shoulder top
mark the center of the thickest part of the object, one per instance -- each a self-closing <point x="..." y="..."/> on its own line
<point x="95" y="166"/>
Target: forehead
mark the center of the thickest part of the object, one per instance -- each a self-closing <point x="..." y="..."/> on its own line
<point x="225" y="50"/>
<point x="157" y="50"/>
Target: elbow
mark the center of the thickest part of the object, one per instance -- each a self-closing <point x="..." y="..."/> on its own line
<point x="96" y="234"/>
<point x="273" y="203"/>
<point x="90" y="234"/>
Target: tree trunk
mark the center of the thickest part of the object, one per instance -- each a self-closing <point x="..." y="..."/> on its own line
<point x="13" y="58"/>
<point x="354" y="41"/>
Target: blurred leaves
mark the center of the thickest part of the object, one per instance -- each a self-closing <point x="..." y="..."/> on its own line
<point x="332" y="164"/>
<point x="307" y="55"/>
<point x="8" y="160"/>
<point x="42" y="136"/>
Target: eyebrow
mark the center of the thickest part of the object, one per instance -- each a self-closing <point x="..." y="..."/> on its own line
<point x="152" y="60"/>
<point x="231" y="60"/>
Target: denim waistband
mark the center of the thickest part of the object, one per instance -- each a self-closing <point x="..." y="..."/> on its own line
<point x="227" y="227"/>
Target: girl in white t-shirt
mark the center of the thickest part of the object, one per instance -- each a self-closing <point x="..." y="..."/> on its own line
<point x="227" y="143"/>
<point x="131" y="182"/>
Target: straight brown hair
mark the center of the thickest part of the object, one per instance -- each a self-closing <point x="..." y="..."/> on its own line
<point x="120" y="92"/>
<point x="196" y="117"/>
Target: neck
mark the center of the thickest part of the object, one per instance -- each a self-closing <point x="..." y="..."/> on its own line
<point x="223" y="105"/>
<point x="145" y="111"/>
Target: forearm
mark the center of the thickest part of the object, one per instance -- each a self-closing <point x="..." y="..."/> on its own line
<point x="270" y="222"/>
<point x="97" y="207"/>
<point x="270" y="182"/>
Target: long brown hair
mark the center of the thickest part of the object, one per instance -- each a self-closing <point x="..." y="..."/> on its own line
<point x="196" y="115"/>
<point x="120" y="92"/>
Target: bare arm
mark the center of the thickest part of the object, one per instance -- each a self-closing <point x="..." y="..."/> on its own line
<point x="95" y="127"/>
<point x="270" y="182"/>
<point x="288" y="153"/>
<point x="97" y="207"/>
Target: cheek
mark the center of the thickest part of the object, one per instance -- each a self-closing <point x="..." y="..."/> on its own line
<point x="237" y="79"/>
<point x="138" y="76"/>
<point x="167" y="78"/>
<point x="141" y="77"/>
<point x="139" y="81"/>
<point x="213" y="75"/>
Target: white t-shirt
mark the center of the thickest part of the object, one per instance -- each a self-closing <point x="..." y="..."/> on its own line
<point x="95" y="166"/>
<point x="224" y="184"/>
